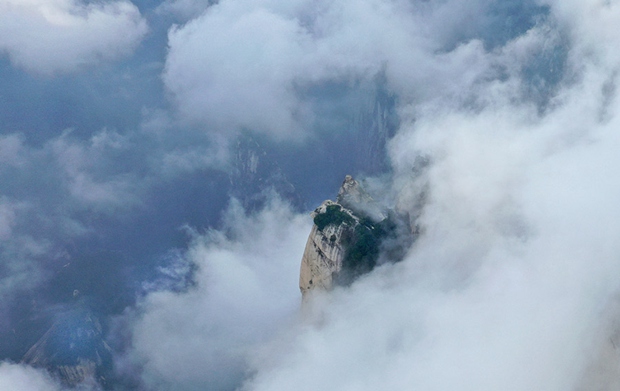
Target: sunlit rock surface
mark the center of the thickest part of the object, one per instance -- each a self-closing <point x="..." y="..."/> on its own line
<point x="325" y="250"/>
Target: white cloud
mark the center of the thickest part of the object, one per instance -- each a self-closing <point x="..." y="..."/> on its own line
<point x="244" y="64"/>
<point x="52" y="36"/>
<point x="79" y="163"/>
<point x="24" y="378"/>
<point x="186" y="9"/>
<point x="514" y="275"/>
<point x="245" y="290"/>
<point x="508" y="285"/>
<point x="515" y="272"/>
<point x="234" y="71"/>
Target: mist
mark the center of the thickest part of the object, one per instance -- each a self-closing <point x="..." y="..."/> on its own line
<point x="161" y="158"/>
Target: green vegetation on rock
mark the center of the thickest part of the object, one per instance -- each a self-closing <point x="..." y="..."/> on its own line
<point x="362" y="239"/>
<point x="334" y="215"/>
<point x="363" y="245"/>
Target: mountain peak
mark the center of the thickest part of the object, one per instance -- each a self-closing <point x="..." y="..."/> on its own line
<point x="348" y="237"/>
<point x="351" y="193"/>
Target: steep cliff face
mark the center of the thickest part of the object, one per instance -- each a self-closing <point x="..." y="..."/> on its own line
<point x="348" y="238"/>
<point x="325" y="249"/>
<point x="254" y="174"/>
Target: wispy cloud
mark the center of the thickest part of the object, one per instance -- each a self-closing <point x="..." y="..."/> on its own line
<point x="509" y="282"/>
<point x="511" y="105"/>
<point x="48" y="37"/>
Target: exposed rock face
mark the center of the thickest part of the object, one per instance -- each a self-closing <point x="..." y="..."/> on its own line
<point x="353" y="196"/>
<point x="255" y="174"/>
<point x="351" y="193"/>
<point x="325" y="250"/>
<point x="347" y="238"/>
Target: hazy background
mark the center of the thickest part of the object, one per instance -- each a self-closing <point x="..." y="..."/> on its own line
<point x="162" y="157"/>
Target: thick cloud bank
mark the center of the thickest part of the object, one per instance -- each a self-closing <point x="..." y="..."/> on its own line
<point x="504" y="148"/>
<point x="515" y="273"/>
<point x="248" y="64"/>
<point x="512" y="283"/>
<point x="245" y="289"/>
<point x="50" y="36"/>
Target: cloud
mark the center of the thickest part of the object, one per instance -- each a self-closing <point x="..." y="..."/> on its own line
<point x="249" y="65"/>
<point x="48" y="37"/>
<point x="512" y="279"/>
<point x="47" y="191"/>
<point x="511" y="284"/>
<point x="502" y="267"/>
<point x="18" y="377"/>
<point x="23" y="378"/>
<point x="186" y="9"/>
<point x="245" y="289"/>
<point x="80" y="163"/>
<point x="235" y="71"/>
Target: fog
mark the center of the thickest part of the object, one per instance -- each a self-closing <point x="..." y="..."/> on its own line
<point x="162" y="158"/>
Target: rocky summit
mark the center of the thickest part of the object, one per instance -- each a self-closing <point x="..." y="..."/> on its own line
<point x="349" y="238"/>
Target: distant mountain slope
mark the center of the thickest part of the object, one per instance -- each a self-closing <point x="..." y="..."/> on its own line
<point x="73" y="350"/>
